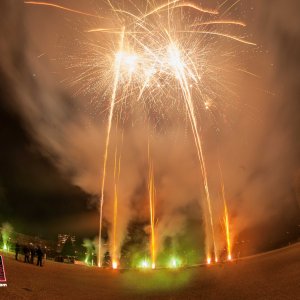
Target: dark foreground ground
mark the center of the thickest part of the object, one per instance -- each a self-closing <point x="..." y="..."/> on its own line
<point x="274" y="275"/>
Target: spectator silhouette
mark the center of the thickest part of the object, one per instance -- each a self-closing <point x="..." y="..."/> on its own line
<point x="17" y="249"/>
<point x="26" y="254"/>
<point x="39" y="254"/>
<point x="32" y="253"/>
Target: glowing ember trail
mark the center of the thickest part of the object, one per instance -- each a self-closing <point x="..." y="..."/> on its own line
<point x="117" y="170"/>
<point x="226" y="218"/>
<point x="221" y="22"/>
<point x="62" y="8"/>
<point x="152" y="195"/>
<point x="226" y="221"/>
<point x="152" y="215"/>
<point x="114" y="258"/>
<point x="179" y="69"/>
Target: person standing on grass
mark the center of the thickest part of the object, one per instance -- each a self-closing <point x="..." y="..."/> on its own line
<point x="17" y="249"/>
<point x="26" y="254"/>
<point x="32" y="253"/>
<point x="39" y="254"/>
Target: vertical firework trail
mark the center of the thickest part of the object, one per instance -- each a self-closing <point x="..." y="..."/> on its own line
<point x="118" y="60"/>
<point x="178" y="66"/>
<point x="114" y="256"/>
<point x="198" y="143"/>
<point x="152" y="195"/>
<point x="117" y="171"/>
<point x="226" y="221"/>
<point x="226" y="217"/>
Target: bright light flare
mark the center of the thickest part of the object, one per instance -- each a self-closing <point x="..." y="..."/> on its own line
<point x="131" y="61"/>
<point x="174" y="57"/>
<point x="174" y="263"/>
<point x="207" y="104"/>
<point x="208" y="260"/>
<point x="128" y="61"/>
<point x="145" y="264"/>
<point x="115" y="264"/>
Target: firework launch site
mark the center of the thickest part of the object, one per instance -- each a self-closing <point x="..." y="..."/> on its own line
<point x="273" y="275"/>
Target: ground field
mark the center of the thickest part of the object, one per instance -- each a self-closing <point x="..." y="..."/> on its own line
<point x="274" y="275"/>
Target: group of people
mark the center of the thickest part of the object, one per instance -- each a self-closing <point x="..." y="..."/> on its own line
<point x="29" y="254"/>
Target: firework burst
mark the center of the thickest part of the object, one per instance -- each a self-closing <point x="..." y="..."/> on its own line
<point x="158" y="56"/>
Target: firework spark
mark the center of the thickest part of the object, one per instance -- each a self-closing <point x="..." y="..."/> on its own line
<point x="62" y="8"/>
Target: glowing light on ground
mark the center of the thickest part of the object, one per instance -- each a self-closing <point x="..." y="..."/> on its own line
<point x="114" y="265"/>
<point x="174" y="263"/>
<point x="145" y="264"/>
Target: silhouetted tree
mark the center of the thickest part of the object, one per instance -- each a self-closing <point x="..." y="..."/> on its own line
<point x="68" y="248"/>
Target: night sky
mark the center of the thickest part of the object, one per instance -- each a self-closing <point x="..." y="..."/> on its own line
<point x="35" y="197"/>
<point x="41" y="194"/>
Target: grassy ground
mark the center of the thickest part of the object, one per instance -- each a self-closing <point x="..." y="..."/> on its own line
<point x="274" y="275"/>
